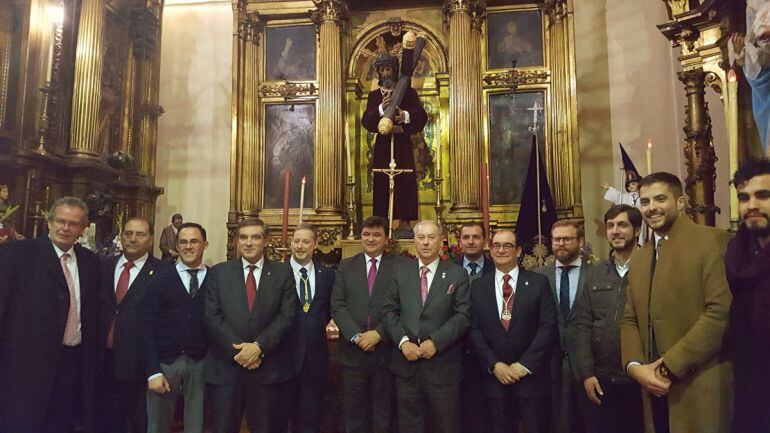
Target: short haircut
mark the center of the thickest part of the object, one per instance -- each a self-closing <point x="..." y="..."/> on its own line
<point x="748" y="170"/>
<point x="634" y="215"/>
<point x="571" y="222"/>
<point x="68" y="201"/>
<point x="250" y="222"/>
<point x="672" y="182"/>
<point x="176" y="216"/>
<point x="515" y="236"/>
<point x="474" y="224"/>
<point x="194" y="226"/>
<point x="431" y="222"/>
<point x="310" y="227"/>
<point x="375" y="221"/>
<point x="144" y="220"/>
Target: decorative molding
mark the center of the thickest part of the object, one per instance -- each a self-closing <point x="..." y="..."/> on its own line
<point x="143" y="31"/>
<point x="515" y="77"/>
<point x="288" y="90"/>
<point x="478" y="15"/>
<point x="676" y="7"/>
<point x="250" y="26"/>
<point x="330" y="10"/>
<point x="453" y="6"/>
<point x="328" y="236"/>
<point x="556" y="10"/>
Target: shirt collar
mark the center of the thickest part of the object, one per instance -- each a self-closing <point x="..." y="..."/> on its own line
<point x="296" y="266"/>
<point x="658" y="238"/>
<point x="181" y="267"/>
<point x="138" y="263"/>
<point x="378" y="258"/>
<point x="260" y="263"/>
<point x="432" y="266"/>
<point x="578" y="261"/>
<point x="500" y="274"/>
<point x="479" y="262"/>
<point x="60" y="252"/>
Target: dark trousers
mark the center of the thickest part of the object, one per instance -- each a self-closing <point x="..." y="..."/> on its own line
<point x="126" y="401"/>
<point x="660" y="413"/>
<point x="266" y="406"/>
<point x="568" y="397"/>
<point x="419" y="401"/>
<point x="308" y="402"/>
<point x="367" y="398"/>
<point x="474" y="410"/>
<point x="63" y="408"/>
<point x="506" y="412"/>
<point x="621" y="410"/>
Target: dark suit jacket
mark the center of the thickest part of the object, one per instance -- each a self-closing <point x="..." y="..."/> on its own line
<point x="127" y="350"/>
<point x="34" y="304"/>
<point x="270" y="323"/>
<point x="550" y="272"/>
<point x="351" y="305"/>
<point x="310" y="327"/>
<point x="489" y="265"/>
<point x="444" y="318"/>
<point x="529" y="339"/>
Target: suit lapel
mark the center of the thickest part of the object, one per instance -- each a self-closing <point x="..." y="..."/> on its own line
<point x="583" y="271"/>
<point x="551" y="275"/>
<point x="51" y="261"/>
<point x="520" y="296"/>
<point x="237" y="286"/>
<point x="437" y="285"/>
<point x="265" y="280"/>
<point x="148" y="270"/>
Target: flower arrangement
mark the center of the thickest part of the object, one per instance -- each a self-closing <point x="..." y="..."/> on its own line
<point x="450" y="252"/>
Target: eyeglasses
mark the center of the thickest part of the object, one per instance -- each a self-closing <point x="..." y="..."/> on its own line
<point x="58" y="222"/>
<point x="567" y="240"/>
<point x="505" y="247"/>
<point x="191" y="242"/>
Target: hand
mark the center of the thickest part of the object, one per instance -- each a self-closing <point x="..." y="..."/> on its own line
<point x="593" y="389"/>
<point x="503" y="373"/>
<point x="738" y="40"/>
<point x="386" y="101"/>
<point x="410" y="351"/>
<point x="518" y="370"/>
<point x="399" y="118"/>
<point x="368" y="340"/>
<point x="605" y="185"/>
<point x="250" y="355"/>
<point x="651" y="380"/>
<point x="427" y="349"/>
<point x="173" y="253"/>
<point x="332" y="331"/>
<point x="159" y="385"/>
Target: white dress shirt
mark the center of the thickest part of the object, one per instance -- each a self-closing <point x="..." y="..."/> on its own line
<point x="257" y="270"/>
<point x="432" y="266"/>
<point x="499" y="287"/>
<point x="296" y="267"/>
<point x="369" y="263"/>
<point x="132" y="273"/>
<point x="186" y="277"/>
<point x="72" y="266"/>
<point x="479" y="263"/>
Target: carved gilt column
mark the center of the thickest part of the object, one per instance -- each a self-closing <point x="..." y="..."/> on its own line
<point x="145" y="34"/>
<point x="465" y="133"/>
<point x="87" y="85"/>
<point x="330" y="17"/>
<point x="700" y="183"/>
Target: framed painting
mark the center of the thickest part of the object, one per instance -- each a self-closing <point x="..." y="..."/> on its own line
<point x="290" y="53"/>
<point x="510" y="142"/>
<point x="514" y="36"/>
<point x="289" y="145"/>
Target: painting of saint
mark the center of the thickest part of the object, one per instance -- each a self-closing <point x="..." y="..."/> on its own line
<point x="290" y="53"/>
<point x="514" y="36"/>
<point x="289" y="139"/>
<point x="510" y="143"/>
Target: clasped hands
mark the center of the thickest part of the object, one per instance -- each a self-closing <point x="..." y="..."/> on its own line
<point x="508" y="374"/>
<point x="413" y="352"/>
<point x="651" y="377"/>
<point x="367" y="341"/>
<point x="249" y="355"/>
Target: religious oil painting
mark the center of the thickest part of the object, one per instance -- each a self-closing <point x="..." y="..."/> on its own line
<point x="289" y="137"/>
<point x="514" y="36"/>
<point x="510" y="142"/>
<point x="290" y="53"/>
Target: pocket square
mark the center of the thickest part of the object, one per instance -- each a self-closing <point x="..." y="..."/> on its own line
<point x="450" y="289"/>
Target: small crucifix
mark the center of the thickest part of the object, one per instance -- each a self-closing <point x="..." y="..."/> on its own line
<point x="391" y="172"/>
<point x="535" y="124"/>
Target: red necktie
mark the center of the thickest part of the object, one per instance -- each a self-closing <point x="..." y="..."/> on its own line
<point x="71" y="328"/>
<point x="424" y="283"/>
<point x="120" y="293"/>
<point x="507" y="300"/>
<point x="251" y="287"/>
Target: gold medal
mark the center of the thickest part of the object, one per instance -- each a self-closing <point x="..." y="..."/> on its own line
<point x="506" y="315"/>
<point x="306" y="307"/>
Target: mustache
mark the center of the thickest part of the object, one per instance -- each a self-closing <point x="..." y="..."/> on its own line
<point x="754" y="214"/>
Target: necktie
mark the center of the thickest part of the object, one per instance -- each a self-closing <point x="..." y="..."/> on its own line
<point x="71" y="328"/>
<point x="564" y="305"/>
<point x="304" y="288"/>
<point x="251" y="287"/>
<point x="507" y="301"/>
<point x="372" y="275"/>
<point x="120" y="293"/>
<point x="424" y="283"/>
<point x="194" y="284"/>
<point x="474" y="268"/>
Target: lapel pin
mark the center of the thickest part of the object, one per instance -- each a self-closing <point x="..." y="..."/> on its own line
<point x="152" y="271"/>
<point x="443" y="275"/>
<point x="526" y="283"/>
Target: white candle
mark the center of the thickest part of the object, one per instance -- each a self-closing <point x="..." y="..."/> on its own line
<point x="301" y="199"/>
<point x="347" y="149"/>
<point x="649" y="156"/>
<point x="732" y="135"/>
<point x="438" y="150"/>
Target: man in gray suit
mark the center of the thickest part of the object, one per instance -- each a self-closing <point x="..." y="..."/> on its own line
<point x="566" y="276"/>
<point x="249" y="315"/>
<point x="427" y="311"/>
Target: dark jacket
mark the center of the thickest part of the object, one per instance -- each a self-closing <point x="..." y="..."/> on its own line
<point x="593" y="331"/>
<point x="310" y="328"/>
<point x="34" y="304"/>
<point x="489" y="266"/>
<point x="530" y="337"/>
<point x="173" y="321"/>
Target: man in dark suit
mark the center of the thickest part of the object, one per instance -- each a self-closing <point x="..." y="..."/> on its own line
<point x="174" y="339"/>
<point x="364" y="351"/>
<point x="249" y="315"/>
<point x="427" y="312"/>
<point x="49" y="343"/>
<point x="124" y="288"/>
<point x="168" y="250"/>
<point x="311" y="354"/>
<point x="513" y="332"/>
<point x="566" y="277"/>
<point x="473" y="239"/>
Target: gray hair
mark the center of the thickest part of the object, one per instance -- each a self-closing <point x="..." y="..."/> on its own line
<point x="68" y="201"/>
<point x="429" y="222"/>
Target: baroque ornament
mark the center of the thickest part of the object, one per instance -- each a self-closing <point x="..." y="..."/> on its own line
<point x="330" y="10"/>
<point x="514" y="78"/>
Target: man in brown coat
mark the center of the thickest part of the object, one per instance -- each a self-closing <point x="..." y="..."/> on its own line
<point x="168" y="239"/>
<point x="676" y="315"/>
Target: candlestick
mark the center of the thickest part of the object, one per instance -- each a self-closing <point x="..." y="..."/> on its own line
<point x="301" y="199"/>
<point x="285" y="225"/>
<point x="732" y="135"/>
<point x="485" y="198"/>
<point x="649" y="156"/>
<point x="347" y="149"/>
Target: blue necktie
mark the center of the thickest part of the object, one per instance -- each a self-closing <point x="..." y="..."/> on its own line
<point x="474" y="268"/>
<point x="564" y="291"/>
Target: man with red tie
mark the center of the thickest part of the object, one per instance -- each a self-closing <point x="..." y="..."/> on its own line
<point x="249" y="316"/>
<point x="49" y="343"/>
<point x="513" y="331"/>
<point x="122" y="305"/>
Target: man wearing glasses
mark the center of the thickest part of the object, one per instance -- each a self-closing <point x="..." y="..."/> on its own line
<point x="513" y="332"/>
<point x="566" y="276"/>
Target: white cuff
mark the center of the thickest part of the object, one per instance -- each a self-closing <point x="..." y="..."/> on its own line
<point x="407" y="119"/>
<point x="632" y="363"/>
<point x="154" y="376"/>
<point x="382" y="111"/>
<point x="404" y="339"/>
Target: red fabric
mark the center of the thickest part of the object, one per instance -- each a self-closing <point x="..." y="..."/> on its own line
<point x="507" y="291"/>
<point x="251" y="287"/>
<point x="120" y="293"/>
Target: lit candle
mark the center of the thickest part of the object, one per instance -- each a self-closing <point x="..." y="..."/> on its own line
<point x="485" y="197"/>
<point x="732" y="136"/>
<point x="649" y="156"/>
<point x="347" y="149"/>
<point x="285" y="225"/>
<point x="301" y="199"/>
<point x="438" y="150"/>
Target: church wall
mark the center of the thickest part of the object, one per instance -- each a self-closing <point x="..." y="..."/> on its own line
<point x="194" y="133"/>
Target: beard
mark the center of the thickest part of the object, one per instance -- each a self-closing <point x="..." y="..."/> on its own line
<point x="387" y="82"/>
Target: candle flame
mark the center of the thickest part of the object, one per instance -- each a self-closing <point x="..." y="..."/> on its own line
<point x="732" y="76"/>
<point x="649" y="144"/>
<point x="303" y="179"/>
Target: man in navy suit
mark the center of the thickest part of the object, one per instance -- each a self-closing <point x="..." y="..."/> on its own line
<point x="472" y="239"/>
<point x="124" y="288"/>
<point x="175" y="340"/>
<point x="49" y="343"/>
<point x="314" y="283"/>
<point x="513" y="331"/>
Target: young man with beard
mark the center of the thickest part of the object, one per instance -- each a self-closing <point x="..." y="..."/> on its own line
<point x="593" y="332"/>
<point x="748" y="272"/>
<point x="676" y="314"/>
<point x="567" y="278"/>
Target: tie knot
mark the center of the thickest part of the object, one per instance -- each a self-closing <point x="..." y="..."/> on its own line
<point x="129" y="264"/>
<point x="303" y="271"/>
<point x="424" y="270"/>
<point x="373" y="261"/>
<point x="565" y="269"/>
<point x="506" y="278"/>
<point x="64" y="257"/>
<point x="252" y="267"/>
<point x="474" y="266"/>
<point x="193" y="272"/>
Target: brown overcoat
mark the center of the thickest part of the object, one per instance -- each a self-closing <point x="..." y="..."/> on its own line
<point x="689" y="307"/>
